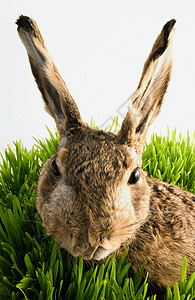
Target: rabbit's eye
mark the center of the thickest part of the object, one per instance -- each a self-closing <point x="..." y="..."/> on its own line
<point x="135" y="176"/>
<point x="54" y="168"/>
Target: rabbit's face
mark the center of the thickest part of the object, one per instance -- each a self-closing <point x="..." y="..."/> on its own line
<point x="92" y="195"/>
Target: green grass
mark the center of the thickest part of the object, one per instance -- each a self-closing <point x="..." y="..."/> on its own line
<point x="32" y="266"/>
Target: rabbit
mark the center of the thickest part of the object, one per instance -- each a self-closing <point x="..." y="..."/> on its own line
<point x="93" y="196"/>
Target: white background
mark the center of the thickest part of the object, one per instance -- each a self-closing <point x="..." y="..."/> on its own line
<point x="99" y="47"/>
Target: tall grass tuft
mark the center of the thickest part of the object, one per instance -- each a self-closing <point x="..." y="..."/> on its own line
<point x="171" y="160"/>
<point x="32" y="266"/>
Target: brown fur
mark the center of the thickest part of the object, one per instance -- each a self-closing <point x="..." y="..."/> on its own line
<point x="88" y="198"/>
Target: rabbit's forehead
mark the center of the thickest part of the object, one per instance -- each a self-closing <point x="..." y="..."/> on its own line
<point x="96" y="148"/>
<point x="96" y="164"/>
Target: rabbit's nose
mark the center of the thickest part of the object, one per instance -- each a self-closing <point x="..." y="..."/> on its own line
<point x="87" y="251"/>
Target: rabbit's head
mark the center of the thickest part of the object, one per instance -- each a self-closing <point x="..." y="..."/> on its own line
<point x="93" y="195"/>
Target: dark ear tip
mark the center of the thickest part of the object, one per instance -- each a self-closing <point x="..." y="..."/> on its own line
<point x="172" y="21"/>
<point x="25" y="23"/>
<point x="169" y="26"/>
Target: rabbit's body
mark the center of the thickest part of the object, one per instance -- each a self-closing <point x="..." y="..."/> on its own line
<point x="93" y="196"/>
<point x="167" y="236"/>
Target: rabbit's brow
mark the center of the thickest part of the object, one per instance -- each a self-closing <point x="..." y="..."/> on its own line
<point x="62" y="154"/>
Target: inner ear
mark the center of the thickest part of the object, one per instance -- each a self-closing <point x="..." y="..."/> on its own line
<point x="127" y="131"/>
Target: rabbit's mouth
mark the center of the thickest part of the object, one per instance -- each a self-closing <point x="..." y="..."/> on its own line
<point x="101" y="253"/>
<point x="97" y="254"/>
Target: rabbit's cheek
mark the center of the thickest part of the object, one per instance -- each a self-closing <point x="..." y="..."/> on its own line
<point x="68" y="243"/>
<point x="55" y="226"/>
<point x="123" y="206"/>
<point x="51" y="222"/>
<point x="140" y="196"/>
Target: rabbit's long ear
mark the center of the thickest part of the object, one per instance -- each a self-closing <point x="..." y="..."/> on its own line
<point x="146" y="101"/>
<point x="58" y="101"/>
